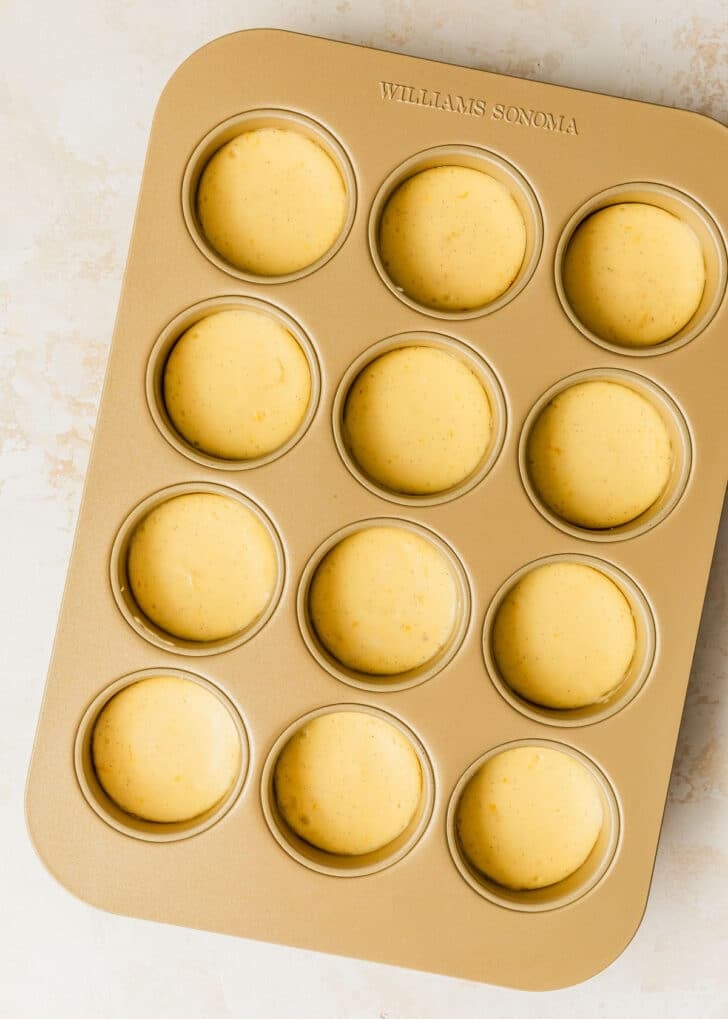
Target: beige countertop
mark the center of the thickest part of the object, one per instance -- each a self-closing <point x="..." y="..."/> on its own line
<point x="79" y="82"/>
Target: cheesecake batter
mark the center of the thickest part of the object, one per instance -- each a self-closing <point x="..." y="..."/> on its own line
<point x="452" y="238"/>
<point x="348" y="782"/>
<point x="271" y="201"/>
<point x="384" y="601"/>
<point x="202" y="566"/>
<point x="634" y="274"/>
<point x="417" y="420"/>
<point x="599" y="454"/>
<point x="530" y="817"/>
<point x="237" y="385"/>
<point x="165" y="749"/>
<point x="564" y="636"/>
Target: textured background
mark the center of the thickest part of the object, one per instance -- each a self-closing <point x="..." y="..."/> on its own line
<point x="78" y="85"/>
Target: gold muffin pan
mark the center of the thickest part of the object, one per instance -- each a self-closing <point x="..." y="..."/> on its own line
<point x="239" y="869"/>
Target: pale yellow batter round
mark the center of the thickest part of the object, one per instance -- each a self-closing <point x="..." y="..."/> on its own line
<point x="452" y="238"/>
<point x="237" y="384"/>
<point x="348" y="782"/>
<point x="202" y="566"/>
<point x="599" y="454"/>
<point x="529" y="817"/>
<point x="564" y="636"/>
<point x="165" y="749"/>
<point x="417" y="420"/>
<point x="271" y="201"/>
<point x="634" y="274"/>
<point x="383" y="601"/>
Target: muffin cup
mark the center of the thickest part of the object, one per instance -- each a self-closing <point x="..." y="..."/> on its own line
<point x="400" y="680"/>
<point x="122" y="589"/>
<point x="163" y="348"/>
<point x="334" y="864"/>
<point x="253" y="120"/>
<point x="476" y="159"/>
<point x="562" y="893"/>
<point x="104" y="806"/>
<point x="634" y="679"/>
<point x="485" y="375"/>
<point x="680" y="441"/>
<point x="685" y="209"/>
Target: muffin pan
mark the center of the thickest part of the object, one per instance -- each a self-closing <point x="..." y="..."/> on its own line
<point x="239" y="869"/>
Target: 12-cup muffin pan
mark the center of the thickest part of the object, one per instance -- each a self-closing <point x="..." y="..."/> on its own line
<point x="239" y="869"/>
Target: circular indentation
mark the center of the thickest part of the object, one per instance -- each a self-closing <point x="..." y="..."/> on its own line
<point x="420" y="423"/>
<point x="165" y="750"/>
<point x="406" y="623"/>
<point x="518" y="849"/>
<point x="437" y="230"/>
<point x="339" y="864"/>
<point x="582" y="464"/>
<point x="284" y="190"/>
<point x="182" y="566"/>
<point x="599" y="454"/>
<point x="383" y="601"/>
<point x="622" y="286"/>
<point x="529" y="817"/>
<point x="202" y="567"/>
<point x="216" y="394"/>
<point x="573" y="632"/>
<point x="348" y="783"/>
<point x="634" y="274"/>
<point x="461" y="238"/>
<point x="95" y="793"/>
